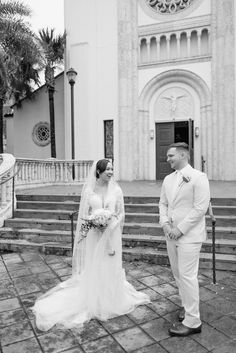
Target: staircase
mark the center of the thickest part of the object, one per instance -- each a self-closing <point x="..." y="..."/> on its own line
<point x="42" y="222"/>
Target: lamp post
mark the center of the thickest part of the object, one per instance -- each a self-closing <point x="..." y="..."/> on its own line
<point x="71" y="75"/>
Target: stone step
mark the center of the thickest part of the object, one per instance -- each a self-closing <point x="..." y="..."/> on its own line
<point x="221" y="221"/>
<point x="129" y="227"/>
<point x="137" y="217"/>
<point x="48" y="205"/>
<point x="128" y="199"/>
<point x="223" y="261"/>
<point x="224" y="246"/>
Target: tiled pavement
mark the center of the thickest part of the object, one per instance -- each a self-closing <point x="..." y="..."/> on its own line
<point x="25" y="276"/>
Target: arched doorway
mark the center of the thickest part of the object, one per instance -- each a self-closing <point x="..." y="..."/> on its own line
<point x="173" y="104"/>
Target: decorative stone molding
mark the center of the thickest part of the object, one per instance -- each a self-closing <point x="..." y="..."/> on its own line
<point x="165" y="10"/>
<point x="41" y="133"/>
<point x="156" y="83"/>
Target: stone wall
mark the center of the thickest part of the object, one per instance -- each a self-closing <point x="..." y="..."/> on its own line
<point x="221" y="156"/>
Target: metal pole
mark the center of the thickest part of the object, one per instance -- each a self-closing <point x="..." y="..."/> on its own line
<point x="72" y="130"/>
<point x="72" y="231"/>
<point x="13" y="197"/>
<point x="213" y="252"/>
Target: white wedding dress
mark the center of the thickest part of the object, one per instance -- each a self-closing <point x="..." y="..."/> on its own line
<point x="98" y="287"/>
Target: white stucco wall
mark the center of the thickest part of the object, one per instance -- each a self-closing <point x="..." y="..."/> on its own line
<point x="19" y="128"/>
<point x="92" y="52"/>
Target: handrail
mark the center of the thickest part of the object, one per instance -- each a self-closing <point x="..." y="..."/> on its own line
<point x="13" y="188"/>
<point x="213" y="226"/>
<point x="71" y="216"/>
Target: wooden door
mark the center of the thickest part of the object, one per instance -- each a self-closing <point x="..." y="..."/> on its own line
<point x="165" y="135"/>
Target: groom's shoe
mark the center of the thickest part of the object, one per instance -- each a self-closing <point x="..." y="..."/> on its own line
<point x="182" y="330"/>
<point x="181" y="314"/>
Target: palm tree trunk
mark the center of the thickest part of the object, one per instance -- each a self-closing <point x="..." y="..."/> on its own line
<point x="1" y="125"/>
<point x="52" y="122"/>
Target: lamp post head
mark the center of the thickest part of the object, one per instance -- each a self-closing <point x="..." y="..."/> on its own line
<point x="71" y="75"/>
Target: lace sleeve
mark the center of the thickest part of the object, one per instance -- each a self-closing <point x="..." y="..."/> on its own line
<point x="79" y="251"/>
<point x="120" y="209"/>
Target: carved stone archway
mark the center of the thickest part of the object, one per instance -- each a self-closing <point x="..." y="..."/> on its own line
<point x="200" y="87"/>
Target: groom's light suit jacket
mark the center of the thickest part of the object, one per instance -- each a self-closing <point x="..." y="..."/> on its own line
<point x="186" y="209"/>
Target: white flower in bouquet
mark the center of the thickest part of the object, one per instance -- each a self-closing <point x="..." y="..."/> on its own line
<point x="101" y="217"/>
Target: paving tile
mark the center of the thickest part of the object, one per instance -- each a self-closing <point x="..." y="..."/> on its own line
<point x="74" y="350"/>
<point x="206" y="294"/>
<point x="7" y="292"/>
<point x="20" y="273"/>
<point x="182" y="344"/>
<point x="5" y="276"/>
<point x="225" y="306"/>
<point x="15" y="333"/>
<point x="151" y="280"/>
<point x="229" y="281"/>
<point x="151" y="293"/>
<point x="139" y="273"/>
<point x="50" y="259"/>
<point x="165" y="289"/>
<point x="27" y="346"/>
<point x="227" y="325"/>
<point x="203" y="280"/>
<point x="133" y="338"/>
<point x="172" y="317"/>
<point x="11" y="258"/>
<point x="117" y="324"/>
<point x="210" y="338"/>
<point x="167" y="277"/>
<point x="175" y="299"/>
<point x="10" y="317"/>
<point x="58" y="265"/>
<point x="142" y="314"/>
<point x="156" y="269"/>
<point x="102" y="345"/>
<point x="31" y="256"/>
<point x="163" y="306"/>
<point x="2" y="267"/>
<point x="25" y="285"/>
<point x="157" y="329"/>
<point x="136" y="283"/>
<point x="209" y="313"/>
<point x="154" y="348"/>
<point x="64" y="271"/>
<point x="91" y="331"/>
<point x="9" y="304"/>
<point x="228" y="347"/>
<point x="58" y="341"/>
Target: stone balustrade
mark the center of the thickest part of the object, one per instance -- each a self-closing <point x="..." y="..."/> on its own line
<point x="7" y="168"/>
<point x="161" y="43"/>
<point x="38" y="172"/>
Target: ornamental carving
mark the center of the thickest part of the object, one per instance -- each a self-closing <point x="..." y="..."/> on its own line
<point x="168" y="6"/>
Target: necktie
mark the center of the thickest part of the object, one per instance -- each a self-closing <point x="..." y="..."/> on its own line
<point x="176" y="183"/>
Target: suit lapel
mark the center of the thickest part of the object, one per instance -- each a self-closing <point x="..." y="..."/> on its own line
<point x="188" y="172"/>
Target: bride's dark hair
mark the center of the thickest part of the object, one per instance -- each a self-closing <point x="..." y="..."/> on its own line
<point x="101" y="166"/>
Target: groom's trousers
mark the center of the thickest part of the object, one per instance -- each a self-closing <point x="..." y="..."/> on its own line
<point x="184" y="260"/>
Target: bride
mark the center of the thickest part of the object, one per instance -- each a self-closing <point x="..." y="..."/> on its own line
<point x="98" y="287"/>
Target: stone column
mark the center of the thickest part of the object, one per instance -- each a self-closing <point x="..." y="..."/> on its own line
<point x="128" y="90"/>
<point x="223" y="124"/>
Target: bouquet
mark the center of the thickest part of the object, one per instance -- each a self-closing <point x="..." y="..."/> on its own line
<point x="99" y="220"/>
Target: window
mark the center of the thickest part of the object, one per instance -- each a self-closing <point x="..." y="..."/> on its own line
<point x="108" y="139"/>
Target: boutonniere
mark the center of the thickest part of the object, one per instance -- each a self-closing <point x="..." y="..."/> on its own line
<point x="185" y="179"/>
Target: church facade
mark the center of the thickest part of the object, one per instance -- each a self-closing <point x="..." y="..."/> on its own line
<point x="151" y="73"/>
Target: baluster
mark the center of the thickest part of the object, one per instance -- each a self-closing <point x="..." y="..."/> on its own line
<point x="178" y="44"/>
<point x="168" y="47"/>
<point x="199" y="44"/>
<point x="158" y="48"/>
<point x="188" y="43"/>
<point x="148" y="49"/>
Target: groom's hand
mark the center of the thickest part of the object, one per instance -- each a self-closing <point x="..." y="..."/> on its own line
<point x="167" y="230"/>
<point x="175" y="233"/>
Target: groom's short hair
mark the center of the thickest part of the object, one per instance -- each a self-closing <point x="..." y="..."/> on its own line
<point x="181" y="146"/>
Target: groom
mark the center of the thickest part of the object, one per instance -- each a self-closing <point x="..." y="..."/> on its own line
<point x="184" y="200"/>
